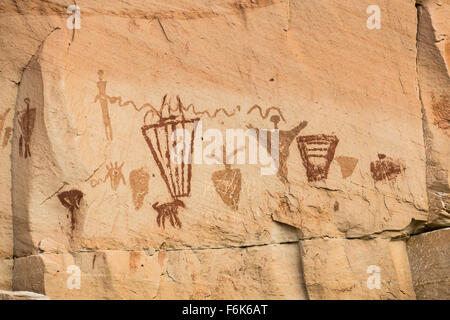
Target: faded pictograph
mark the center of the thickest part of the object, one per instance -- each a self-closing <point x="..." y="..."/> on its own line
<point x="336" y="206"/>
<point x="3" y="119"/>
<point x="7" y="134"/>
<point x="441" y="112"/>
<point x="228" y="183"/>
<point x="447" y="52"/>
<point x="71" y="200"/>
<point x="176" y="176"/>
<point x="385" y="168"/>
<point x="347" y="164"/>
<point x="115" y="175"/>
<point x="26" y="120"/>
<point x="103" y="98"/>
<point x="317" y="152"/>
<point x="139" y="180"/>
<point x="95" y="182"/>
<point x="7" y="137"/>
<point x="265" y="114"/>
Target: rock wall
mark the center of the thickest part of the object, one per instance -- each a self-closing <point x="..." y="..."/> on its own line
<point x="430" y="262"/>
<point x="90" y="193"/>
<point x="21" y="295"/>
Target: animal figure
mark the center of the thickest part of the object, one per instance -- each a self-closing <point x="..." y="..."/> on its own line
<point x="169" y="210"/>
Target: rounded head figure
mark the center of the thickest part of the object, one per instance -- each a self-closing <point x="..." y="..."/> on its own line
<point x="100" y="74"/>
<point x="27" y="100"/>
<point x="275" y="119"/>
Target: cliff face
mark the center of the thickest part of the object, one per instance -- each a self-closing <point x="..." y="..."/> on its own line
<point x="90" y="190"/>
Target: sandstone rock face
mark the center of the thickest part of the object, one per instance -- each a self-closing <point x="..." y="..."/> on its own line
<point x="6" y="266"/>
<point x="433" y="67"/>
<point x="21" y="295"/>
<point x="340" y="269"/>
<point x="174" y="274"/>
<point x="430" y="263"/>
<point x="93" y="206"/>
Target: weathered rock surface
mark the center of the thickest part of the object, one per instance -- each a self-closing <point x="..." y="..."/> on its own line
<point x="260" y="272"/>
<point x="433" y="70"/>
<point x="6" y="266"/>
<point x="363" y="120"/>
<point x="430" y="264"/>
<point x="21" y="295"/>
<point x="340" y="268"/>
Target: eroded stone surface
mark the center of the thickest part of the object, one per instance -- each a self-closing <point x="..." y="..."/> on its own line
<point x="84" y="188"/>
<point x="6" y="266"/>
<point x="180" y="274"/>
<point x="434" y="88"/>
<point x="21" y="295"/>
<point x="429" y="257"/>
<point x="340" y="269"/>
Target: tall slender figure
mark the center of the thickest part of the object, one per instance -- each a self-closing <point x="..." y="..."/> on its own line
<point x="103" y="98"/>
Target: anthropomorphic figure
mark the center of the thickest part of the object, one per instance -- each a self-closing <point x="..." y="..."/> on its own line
<point x="2" y="119"/>
<point x="26" y="120"/>
<point x="103" y="98"/>
<point x="285" y="140"/>
<point x="71" y="200"/>
<point x="6" y="137"/>
<point x="115" y="175"/>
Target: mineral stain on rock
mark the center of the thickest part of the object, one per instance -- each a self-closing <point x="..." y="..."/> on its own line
<point x="447" y="53"/>
<point x="135" y="257"/>
<point x="161" y="258"/>
<point x="441" y="111"/>
<point x="336" y="206"/>
<point x="139" y="186"/>
<point x="385" y="168"/>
